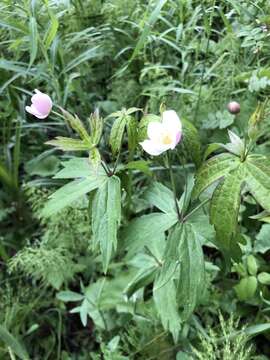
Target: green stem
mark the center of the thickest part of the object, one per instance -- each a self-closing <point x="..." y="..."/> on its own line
<point x="173" y="186"/>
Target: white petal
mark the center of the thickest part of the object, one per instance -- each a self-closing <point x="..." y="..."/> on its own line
<point x="152" y="148"/>
<point x="171" y="121"/>
<point x="155" y="130"/>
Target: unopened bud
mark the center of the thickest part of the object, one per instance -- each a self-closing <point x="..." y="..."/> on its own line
<point x="234" y="107"/>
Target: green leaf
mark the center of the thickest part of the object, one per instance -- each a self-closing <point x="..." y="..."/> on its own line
<point x="264" y="278"/>
<point x="224" y="208"/>
<point x="161" y="197"/>
<point x="262" y="242"/>
<point x="13" y="343"/>
<point x="71" y="192"/>
<point x="95" y="158"/>
<point x="246" y="288"/>
<point x="96" y="126"/>
<point x="77" y="126"/>
<point x="218" y="120"/>
<point x="192" y="271"/>
<point x="117" y="132"/>
<point x="106" y="217"/>
<point x="78" y="168"/>
<point x="147" y="230"/>
<point x="52" y="31"/>
<point x="132" y="133"/>
<point x="257" y="329"/>
<point x="143" y="278"/>
<point x="164" y="295"/>
<point x="191" y="142"/>
<point x="33" y="39"/>
<point x="258" y="174"/>
<point x="148" y="24"/>
<point x="43" y="165"/>
<point x="213" y="170"/>
<point x="68" y="144"/>
<point x="140" y="165"/>
<point x="68" y="295"/>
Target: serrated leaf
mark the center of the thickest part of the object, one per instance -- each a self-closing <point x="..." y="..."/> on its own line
<point x="191" y="142"/>
<point x="96" y="126"/>
<point x="258" y="174"/>
<point x="94" y="158"/>
<point x="192" y="271"/>
<point x="78" y="168"/>
<point x="161" y="197"/>
<point x="164" y="295"/>
<point x="224" y="208"/>
<point x="262" y="242"/>
<point x="106" y="217"/>
<point x="147" y="230"/>
<point x="77" y="126"/>
<point x="71" y="192"/>
<point x="117" y="132"/>
<point x="213" y="170"/>
<point x="69" y="144"/>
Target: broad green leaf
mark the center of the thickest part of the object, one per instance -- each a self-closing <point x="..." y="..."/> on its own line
<point x="78" y="168"/>
<point x="69" y="144"/>
<point x="264" y="278"/>
<point x="106" y="217"/>
<point x="147" y="230"/>
<point x="68" y="295"/>
<point x="33" y="39"/>
<point x="117" y="132"/>
<point x="191" y="142"/>
<point x="213" y="170"/>
<point x="143" y="278"/>
<point x="246" y="288"/>
<point x="164" y="295"/>
<point x="192" y="271"/>
<point x="258" y="174"/>
<point x="161" y="197"/>
<point x="262" y="242"/>
<point x="224" y="208"/>
<point x="13" y="343"/>
<point x="71" y="192"/>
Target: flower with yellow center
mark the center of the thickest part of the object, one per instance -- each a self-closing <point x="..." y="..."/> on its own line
<point x="163" y="135"/>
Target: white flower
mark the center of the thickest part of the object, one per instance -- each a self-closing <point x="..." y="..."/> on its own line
<point x="163" y="135"/>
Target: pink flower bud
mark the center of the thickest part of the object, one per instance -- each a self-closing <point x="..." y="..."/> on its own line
<point x="41" y="105"/>
<point x="234" y="107"/>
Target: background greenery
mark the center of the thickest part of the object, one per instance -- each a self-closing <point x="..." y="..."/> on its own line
<point x="195" y="56"/>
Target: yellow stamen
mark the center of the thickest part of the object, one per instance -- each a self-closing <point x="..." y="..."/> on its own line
<point x="166" y="140"/>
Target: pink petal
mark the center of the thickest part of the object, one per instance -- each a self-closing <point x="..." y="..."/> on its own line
<point x="42" y="103"/>
<point x="32" y="110"/>
<point x="171" y="121"/>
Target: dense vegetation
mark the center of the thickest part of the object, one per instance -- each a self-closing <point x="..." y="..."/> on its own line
<point x="107" y="252"/>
